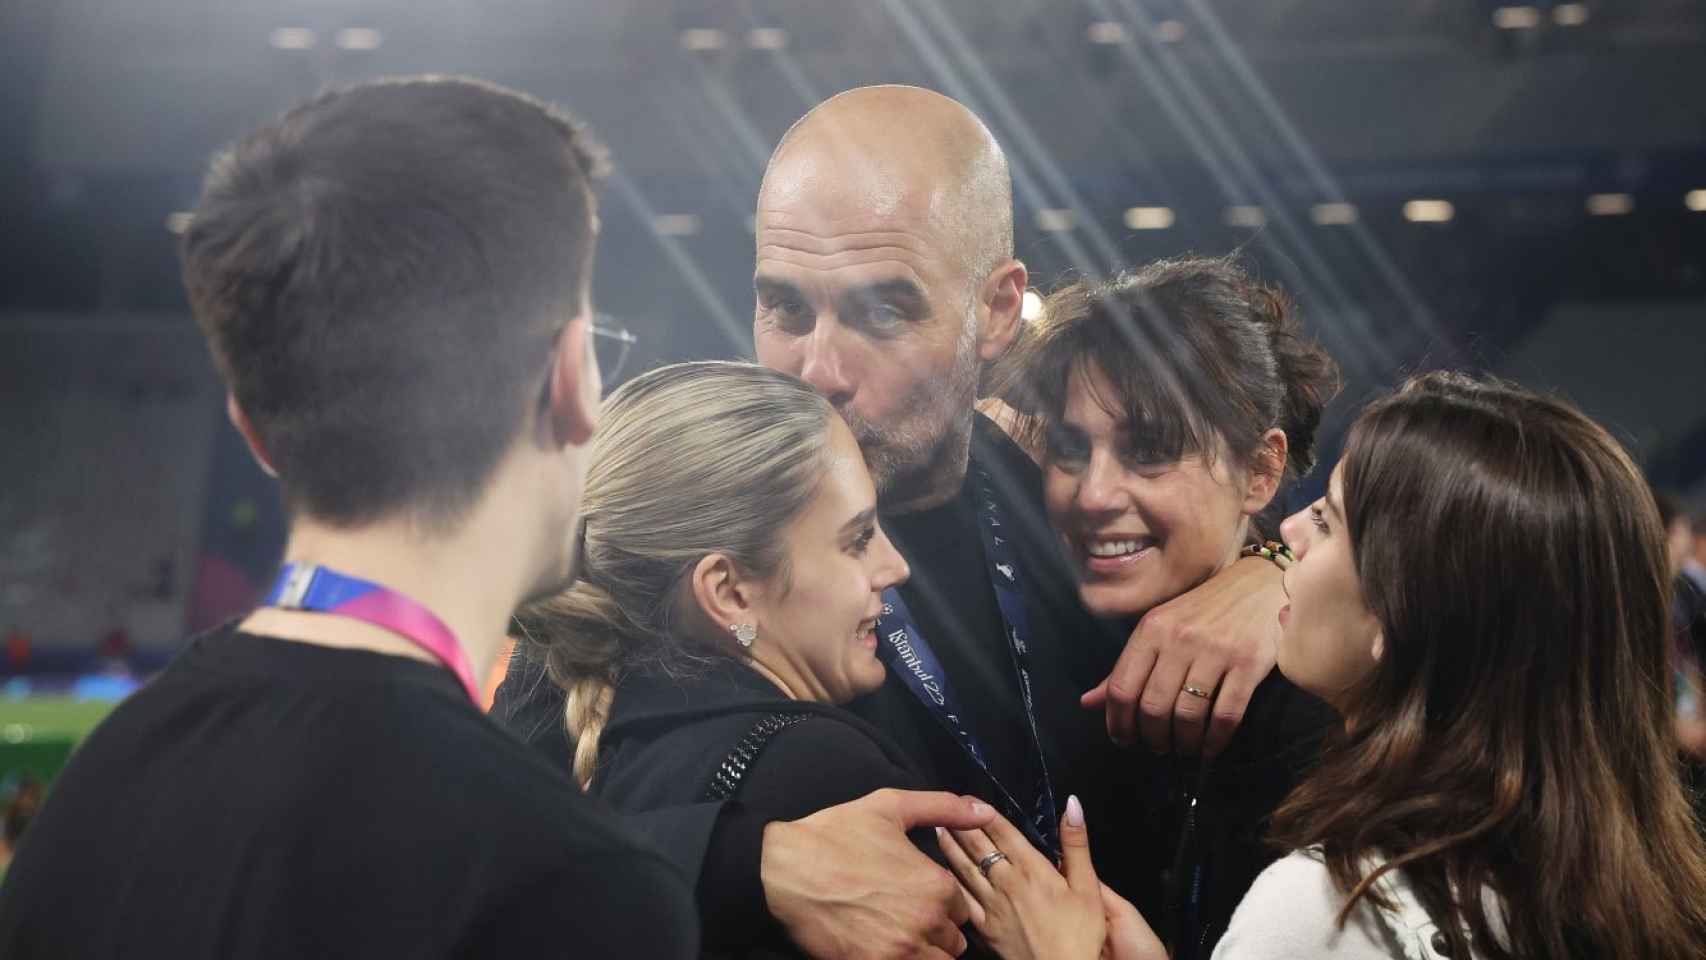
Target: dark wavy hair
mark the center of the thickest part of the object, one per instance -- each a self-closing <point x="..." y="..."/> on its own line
<point x="1196" y="351"/>
<point x="1515" y="736"/>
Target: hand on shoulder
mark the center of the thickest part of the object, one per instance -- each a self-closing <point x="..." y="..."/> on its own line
<point x="1187" y="674"/>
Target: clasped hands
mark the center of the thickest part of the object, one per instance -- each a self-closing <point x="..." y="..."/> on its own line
<point x="1025" y="909"/>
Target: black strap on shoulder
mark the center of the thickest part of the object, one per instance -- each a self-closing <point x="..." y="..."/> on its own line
<point x="725" y="783"/>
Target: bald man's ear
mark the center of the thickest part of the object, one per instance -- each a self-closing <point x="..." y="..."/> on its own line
<point x="240" y="420"/>
<point x="575" y="386"/>
<point x="1001" y="298"/>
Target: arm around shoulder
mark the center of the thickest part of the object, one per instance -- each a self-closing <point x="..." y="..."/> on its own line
<point x="838" y="868"/>
<point x="814" y="764"/>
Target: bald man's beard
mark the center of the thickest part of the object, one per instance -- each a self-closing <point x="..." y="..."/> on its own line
<point x="908" y="458"/>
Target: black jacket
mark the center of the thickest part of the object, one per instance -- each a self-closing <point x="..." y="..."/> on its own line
<point x="721" y="733"/>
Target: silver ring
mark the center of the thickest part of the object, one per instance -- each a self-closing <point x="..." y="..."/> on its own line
<point x="989" y="860"/>
<point x="1195" y="691"/>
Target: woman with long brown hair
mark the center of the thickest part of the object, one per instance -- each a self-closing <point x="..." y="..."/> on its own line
<point x="1482" y="596"/>
<point x="1509" y="762"/>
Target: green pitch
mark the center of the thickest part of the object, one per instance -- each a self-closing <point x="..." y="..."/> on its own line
<point x="63" y="716"/>
<point x="37" y="734"/>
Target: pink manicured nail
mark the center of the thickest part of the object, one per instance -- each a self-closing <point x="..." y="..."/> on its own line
<point x="1074" y="811"/>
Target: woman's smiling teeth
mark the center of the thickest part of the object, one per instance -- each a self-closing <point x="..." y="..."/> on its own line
<point x="1116" y="548"/>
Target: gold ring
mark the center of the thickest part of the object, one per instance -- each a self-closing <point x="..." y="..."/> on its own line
<point x="1195" y="691"/>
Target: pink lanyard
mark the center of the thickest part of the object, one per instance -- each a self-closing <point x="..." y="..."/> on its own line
<point x="302" y="586"/>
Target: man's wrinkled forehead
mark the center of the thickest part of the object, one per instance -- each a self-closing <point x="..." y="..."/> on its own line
<point x="828" y="190"/>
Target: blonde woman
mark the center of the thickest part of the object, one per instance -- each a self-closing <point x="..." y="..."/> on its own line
<point x="733" y="572"/>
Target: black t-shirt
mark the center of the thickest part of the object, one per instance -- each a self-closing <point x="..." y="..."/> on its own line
<point x="264" y="798"/>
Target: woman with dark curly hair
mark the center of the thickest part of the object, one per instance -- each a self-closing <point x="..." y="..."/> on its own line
<point x="1169" y="407"/>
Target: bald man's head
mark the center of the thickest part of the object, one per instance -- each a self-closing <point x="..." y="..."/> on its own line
<point x="910" y="151"/>
<point x="885" y="275"/>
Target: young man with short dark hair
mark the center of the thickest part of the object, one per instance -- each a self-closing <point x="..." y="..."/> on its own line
<point x="393" y="282"/>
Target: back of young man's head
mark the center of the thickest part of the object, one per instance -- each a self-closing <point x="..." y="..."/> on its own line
<point x="382" y="275"/>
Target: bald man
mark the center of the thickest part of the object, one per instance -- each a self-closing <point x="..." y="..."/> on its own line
<point x="885" y="277"/>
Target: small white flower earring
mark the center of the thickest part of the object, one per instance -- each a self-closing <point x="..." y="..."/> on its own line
<point x="744" y="633"/>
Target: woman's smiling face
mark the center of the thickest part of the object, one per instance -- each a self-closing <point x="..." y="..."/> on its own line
<point x="817" y="622"/>
<point x="1139" y="531"/>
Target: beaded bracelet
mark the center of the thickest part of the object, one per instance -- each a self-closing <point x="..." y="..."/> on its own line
<point x="1279" y="553"/>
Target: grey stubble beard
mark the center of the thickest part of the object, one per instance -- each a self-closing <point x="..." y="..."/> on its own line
<point x="906" y="461"/>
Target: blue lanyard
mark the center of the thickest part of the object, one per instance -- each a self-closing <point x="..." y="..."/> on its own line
<point x="909" y="657"/>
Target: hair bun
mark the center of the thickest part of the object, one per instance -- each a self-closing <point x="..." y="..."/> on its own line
<point x="1310" y="375"/>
